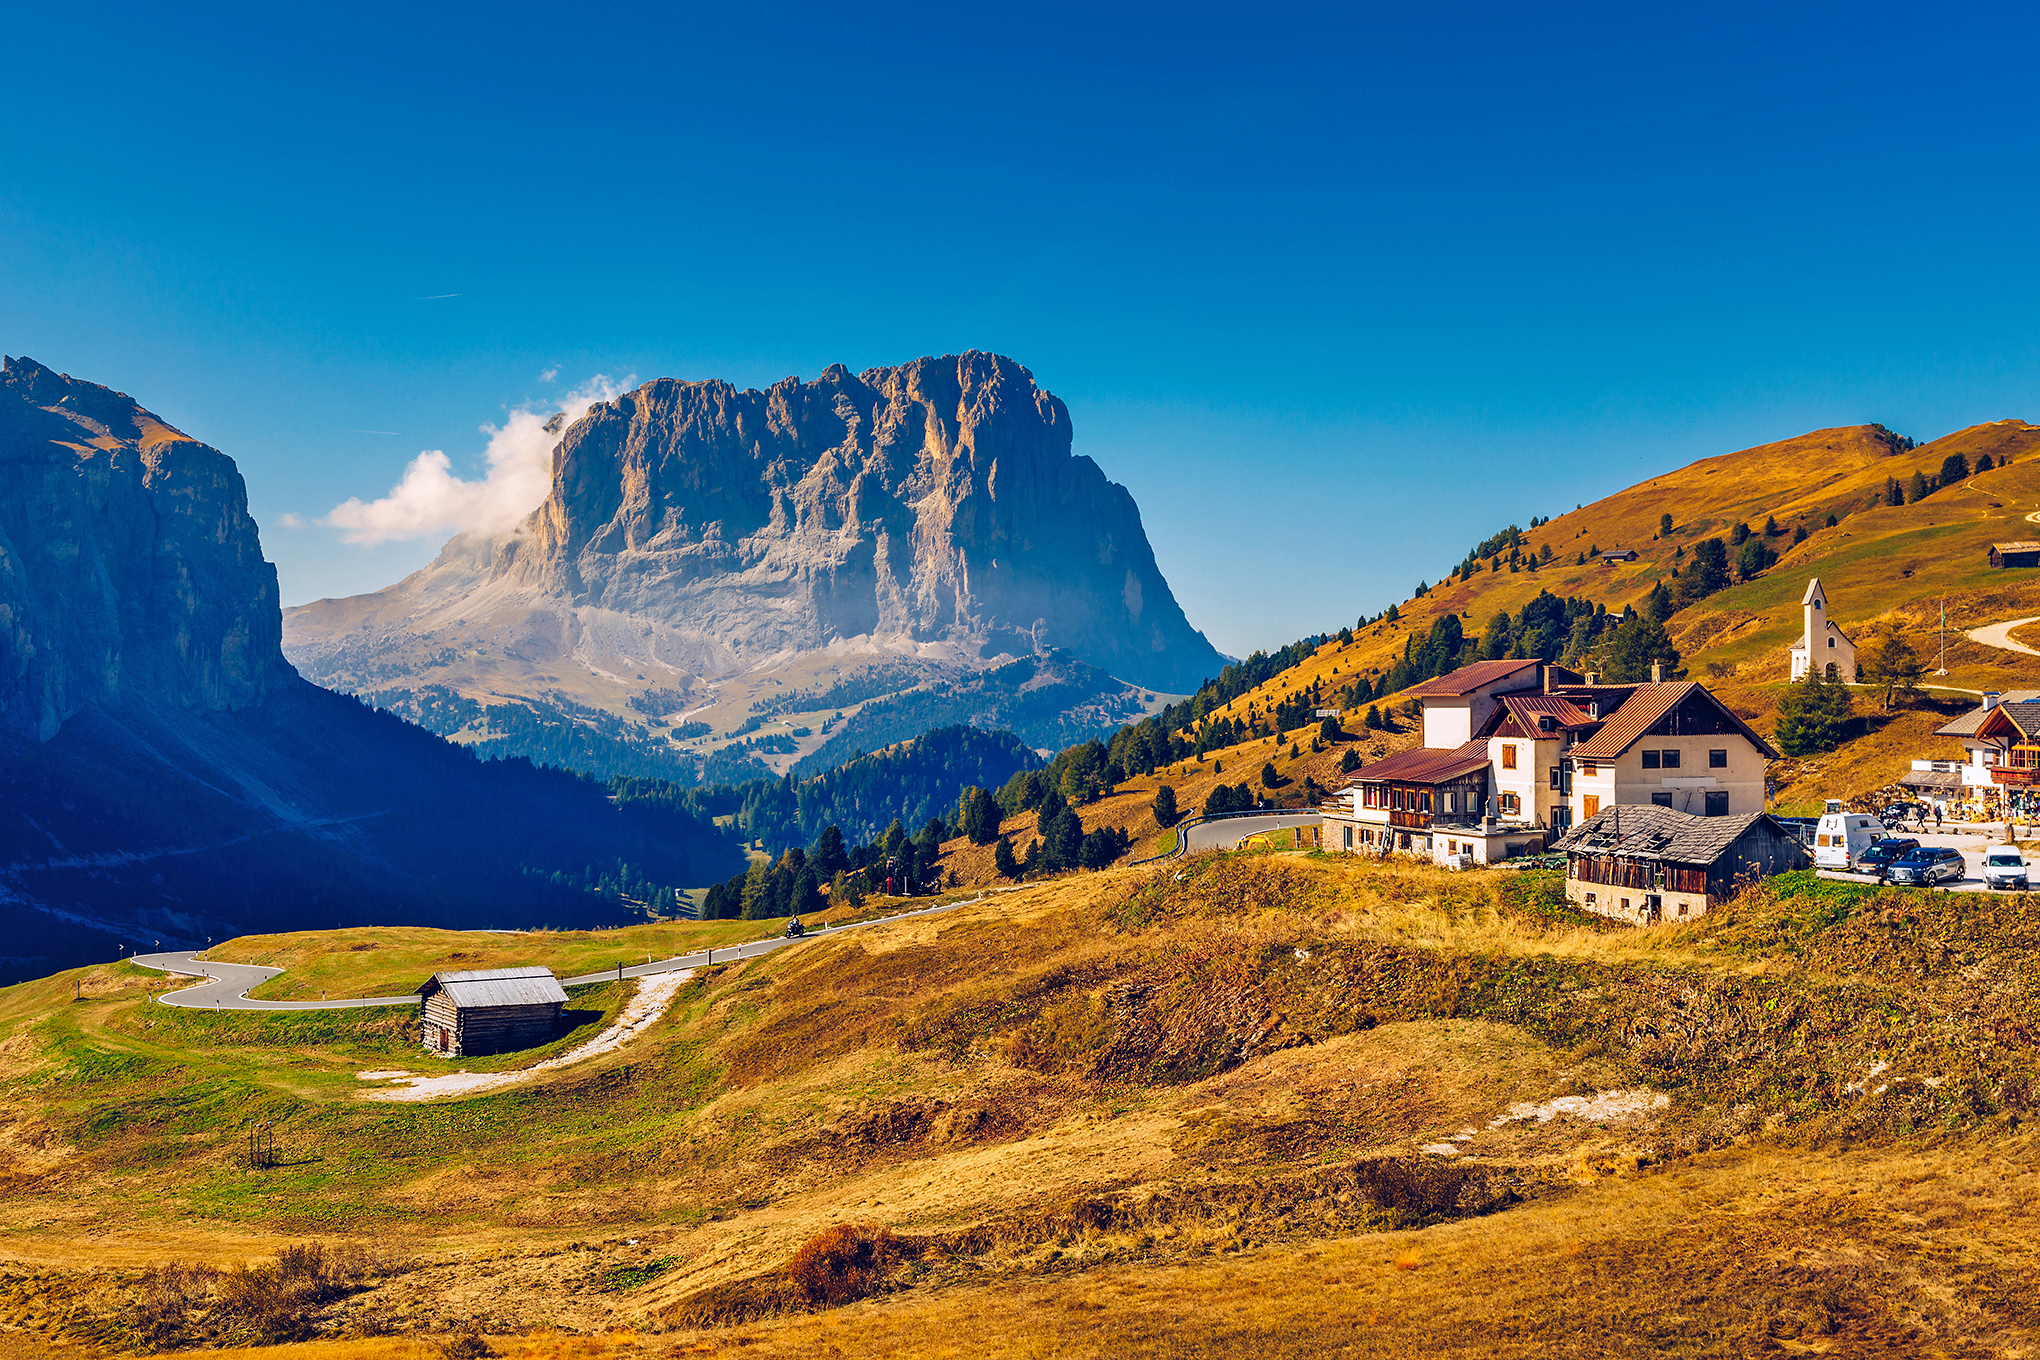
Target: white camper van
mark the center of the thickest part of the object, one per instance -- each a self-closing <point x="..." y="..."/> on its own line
<point x="1841" y="836"/>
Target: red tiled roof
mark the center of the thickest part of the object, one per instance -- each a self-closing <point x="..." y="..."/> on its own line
<point x="1644" y="709"/>
<point x="1464" y="681"/>
<point x="1427" y="765"/>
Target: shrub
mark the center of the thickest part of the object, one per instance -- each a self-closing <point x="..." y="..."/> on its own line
<point x="845" y="1263"/>
<point x="1349" y="761"/>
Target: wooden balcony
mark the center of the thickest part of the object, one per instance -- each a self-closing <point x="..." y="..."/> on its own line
<point x="1410" y="821"/>
<point x="2018" y="775"/>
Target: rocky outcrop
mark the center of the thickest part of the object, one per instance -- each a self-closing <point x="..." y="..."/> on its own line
<point x="128" y="561"/>
<point x="934" y="508"/>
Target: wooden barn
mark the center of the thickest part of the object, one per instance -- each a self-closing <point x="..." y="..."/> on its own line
<point x="2024" y="553"/>
<point x="1645" y="863"/>
<point x="491" y="1011"/>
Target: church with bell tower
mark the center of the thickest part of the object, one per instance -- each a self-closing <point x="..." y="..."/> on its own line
<point x="1822" y="647"/>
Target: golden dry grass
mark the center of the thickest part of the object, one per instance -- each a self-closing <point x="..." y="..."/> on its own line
<point x="1135" y="1113"/>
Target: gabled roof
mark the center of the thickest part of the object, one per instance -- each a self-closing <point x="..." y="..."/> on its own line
<point x="1526" y="709"/>
<point x="2022" y="718"/>
<point x="2022" y="545"/>
<point x="1966" y="725"/>
<point x="1464" y="681"/>
<point x="1813" y="589"/>
<point x="1427" y="765"/>
<point x="497" y="987"/>
<point x="1647" y="831"/>
<point x="1644" y="709"/>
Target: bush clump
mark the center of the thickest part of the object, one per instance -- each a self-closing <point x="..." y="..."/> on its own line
<point x="844" y="1264"/>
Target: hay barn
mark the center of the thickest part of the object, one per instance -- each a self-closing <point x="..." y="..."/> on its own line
<point x="490" y="1011"/>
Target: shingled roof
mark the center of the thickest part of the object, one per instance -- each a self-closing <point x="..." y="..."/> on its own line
<point x="1647" y="831"/>
<point x="1966" y="725"/>
<point x="1464" y="681"/>
<point x="1644" y="709"/>
<point x="1526" y="709"/>
<point x="1427" y="765"/>
<point x="497" y="987"/>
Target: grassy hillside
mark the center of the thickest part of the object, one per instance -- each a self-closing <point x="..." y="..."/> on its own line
<point x="1878" y="562"/>
<point x="1266" y="1105"/>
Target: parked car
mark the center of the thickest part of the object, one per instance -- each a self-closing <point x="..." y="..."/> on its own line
<point x="1879" y="854"/>
<point x="1925" y="865"/>
<point x="2004" y="867"/>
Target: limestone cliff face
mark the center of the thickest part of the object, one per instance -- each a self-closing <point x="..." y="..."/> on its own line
<point x="128" y="561"/>
<point x="937" y="501"/>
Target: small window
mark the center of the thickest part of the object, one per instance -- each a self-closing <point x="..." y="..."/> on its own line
<point x="1682" y="908"/>
<point x="1650" y="760"/>
<point x="1661" y="799"/>
<point x="1425" y="801"/>
<point x="1508" y="755"/>
<point x="1588" y="767"/>
<point x="1831" y="642"/>
<point x="1349" y="838"/>
<point x="1554" y="777"/>
<point x="1717" y="760"/>
<point x="1717" y="805"/>
<point x="1671" y="760"/>
<point x="1590" y="899"/>
<point x="1625" y="904"/>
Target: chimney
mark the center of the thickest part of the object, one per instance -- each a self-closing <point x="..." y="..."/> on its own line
<point x="1545" y="672"/>
<point x="1657" y="672"/>
<point x="1593" y="677"/>
<point x="1990" y="699"/>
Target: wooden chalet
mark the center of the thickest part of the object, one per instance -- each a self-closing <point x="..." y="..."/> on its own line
<point x="490" y="1011"/>
<point x="2024" y="553"/>
<point x="1647" y="863"/>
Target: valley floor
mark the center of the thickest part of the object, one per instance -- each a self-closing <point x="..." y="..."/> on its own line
<point x="1241" y="1104"/>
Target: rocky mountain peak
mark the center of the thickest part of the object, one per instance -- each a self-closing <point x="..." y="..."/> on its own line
<point x="129" y="564"/>
<point x="936" y="502"/>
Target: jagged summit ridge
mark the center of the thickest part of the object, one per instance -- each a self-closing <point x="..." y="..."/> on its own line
<point x="934" y="508"/>
<point x="129" y="564"/>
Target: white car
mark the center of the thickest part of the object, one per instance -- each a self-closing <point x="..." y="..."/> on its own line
<point x="2004" y="867"/>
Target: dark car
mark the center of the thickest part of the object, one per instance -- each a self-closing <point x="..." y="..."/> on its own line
<point x="1927" y="865"/>
<point x="1879" y="854"/>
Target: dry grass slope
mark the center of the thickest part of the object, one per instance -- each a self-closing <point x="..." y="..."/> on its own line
<point x="1273" y="1104"/>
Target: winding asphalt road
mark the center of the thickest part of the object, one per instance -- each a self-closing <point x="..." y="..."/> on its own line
<point x="1226" y="833"/>
<point x="2000" y="635"/>
<point x="227" y="985"/>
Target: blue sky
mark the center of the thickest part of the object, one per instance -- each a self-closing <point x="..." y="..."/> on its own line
<point x="1335" y="291"/>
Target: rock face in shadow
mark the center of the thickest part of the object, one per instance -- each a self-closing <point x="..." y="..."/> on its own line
<point x="128" y="561"/>
<point x="165" y="774"/>
<point x="932" y="509"/>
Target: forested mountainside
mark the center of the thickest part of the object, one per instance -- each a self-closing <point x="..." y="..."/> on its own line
<point x="164" y="775"/>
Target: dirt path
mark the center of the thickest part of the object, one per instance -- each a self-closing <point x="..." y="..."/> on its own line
<point x="2000" y="634"/>
<point x="654" y="994"/>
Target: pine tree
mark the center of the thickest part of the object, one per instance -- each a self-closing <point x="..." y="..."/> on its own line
<point x="1269" y="778"/>
<point x="829" y="857"/>
<point x="1954" y="468"/>
<point x="1495" y="639"/>
<point x="1739" y="535"/>
<point x="1832" y="521"/>
<point x="1771" y="529"/>
<point x="1708" y="573"/>
<point x="1753" y="559"/>
<point x="1916" y="489"/>
<point x="1003" y="863"/>
<point x="1888" y="659"/>
<point x="1349" y="761"/>
<point x="1798" y="534"/>
<point x="1373" y="718"/>
<point x="1983" y="464"/>
<point x="1638" y="642"/>
<point x="1658" y="605"/>
<point x="1164" y="807"/>
<point x="980" y="816"/>
<point x="1813" y="716"/>
<point x="1664" y="525"/>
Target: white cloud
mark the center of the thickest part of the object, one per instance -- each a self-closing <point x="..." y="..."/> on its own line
<point x="549" y="375"/>
<point x="430" y="501"/>
<point x="292" y="520"/>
